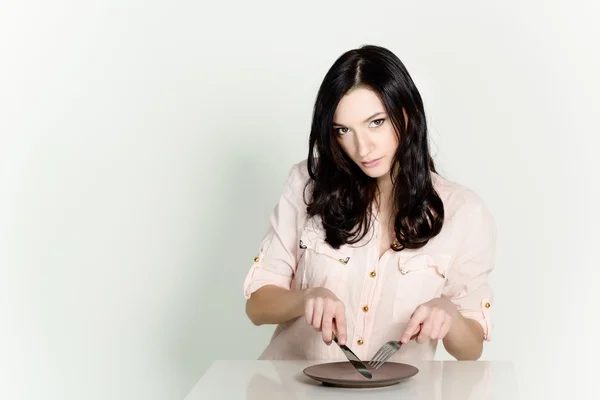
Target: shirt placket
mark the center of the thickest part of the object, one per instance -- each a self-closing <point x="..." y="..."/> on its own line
<point x="370" y="293"/>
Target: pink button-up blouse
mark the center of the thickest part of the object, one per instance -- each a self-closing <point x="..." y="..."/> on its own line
<point x="379" y="294"/>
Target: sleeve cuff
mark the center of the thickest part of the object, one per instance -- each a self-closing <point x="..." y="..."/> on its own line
<point x="484" y="317"/>
<point x="259" y="277"/>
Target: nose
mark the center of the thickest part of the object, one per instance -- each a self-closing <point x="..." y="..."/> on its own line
<point x="364" y="145"/>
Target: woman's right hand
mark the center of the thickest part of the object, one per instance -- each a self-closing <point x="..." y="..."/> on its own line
<point x="327" y="313"/>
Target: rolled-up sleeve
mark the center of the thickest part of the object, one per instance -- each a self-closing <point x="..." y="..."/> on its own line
<point x="467" y="284"/>
<point x="276" y="261"/>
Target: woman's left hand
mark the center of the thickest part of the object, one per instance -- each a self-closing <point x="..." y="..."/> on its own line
<point x="434" y="318"/>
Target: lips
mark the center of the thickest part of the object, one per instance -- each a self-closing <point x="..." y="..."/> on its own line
<point x="371" y="163"/>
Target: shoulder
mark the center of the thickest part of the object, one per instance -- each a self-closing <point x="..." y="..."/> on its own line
<point x="298" y="174"/>
<point x="295" y="187"/>
<point x="461" y="202"/>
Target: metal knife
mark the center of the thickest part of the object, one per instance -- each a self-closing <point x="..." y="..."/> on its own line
<point x="354" y="360"/>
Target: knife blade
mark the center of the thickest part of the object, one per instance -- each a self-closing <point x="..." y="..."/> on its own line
<point x="354" y="360"/>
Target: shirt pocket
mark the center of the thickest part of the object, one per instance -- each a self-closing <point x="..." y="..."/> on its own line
<point x="321" y="265"/>
<point x="418" y="277"/>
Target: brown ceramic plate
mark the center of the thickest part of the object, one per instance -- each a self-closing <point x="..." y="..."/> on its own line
<point x="343" y="374"/>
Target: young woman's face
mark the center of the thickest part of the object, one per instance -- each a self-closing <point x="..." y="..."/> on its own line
<point x="365" y="133"/>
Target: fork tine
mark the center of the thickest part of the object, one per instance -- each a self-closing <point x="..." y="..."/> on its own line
<point x="376" y="358"/>
<point x="384" y="354"/>
<point x="382" y="351"/>
<point x="384" y="357"/>
<point x="378" y="355"/>
<point x="387" y="356"/>
<point x="386" y="351"/>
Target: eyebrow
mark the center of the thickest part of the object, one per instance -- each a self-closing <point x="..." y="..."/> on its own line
<point x="366" y="120"/>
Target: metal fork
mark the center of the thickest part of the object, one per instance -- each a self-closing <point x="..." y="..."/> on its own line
<point x="386" y="351"/>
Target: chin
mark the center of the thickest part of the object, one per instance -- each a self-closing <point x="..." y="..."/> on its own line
<point x="375" y="173"/>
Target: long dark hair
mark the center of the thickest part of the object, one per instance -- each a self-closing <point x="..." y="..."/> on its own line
<point x="341" y="194"/>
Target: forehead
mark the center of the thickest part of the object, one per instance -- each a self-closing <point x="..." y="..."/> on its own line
<point x="357" y="105"/>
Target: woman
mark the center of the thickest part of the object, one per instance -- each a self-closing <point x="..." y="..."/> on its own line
<point x="367" y="241"/>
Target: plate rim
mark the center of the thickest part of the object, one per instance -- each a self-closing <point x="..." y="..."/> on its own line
<point x="359" y="382"/>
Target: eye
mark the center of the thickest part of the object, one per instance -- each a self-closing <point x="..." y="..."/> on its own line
<point x="377" y="123"/>
<point x="342" y="131"/>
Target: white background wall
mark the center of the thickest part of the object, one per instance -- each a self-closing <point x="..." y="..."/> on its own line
<point x="144" y="143"/>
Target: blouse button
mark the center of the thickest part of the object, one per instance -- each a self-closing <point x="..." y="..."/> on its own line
<point x="256" y="259"/>
<point x="373" y="274"/>
<point x="366" y="308"/>
<point x="360" y="342"/>
<point x="487" y="305"/>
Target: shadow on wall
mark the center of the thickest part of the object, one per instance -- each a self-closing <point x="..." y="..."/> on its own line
<point x="210" y="306"/>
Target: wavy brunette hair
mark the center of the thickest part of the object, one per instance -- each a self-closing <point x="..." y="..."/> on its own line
<point x="341" y="193"/>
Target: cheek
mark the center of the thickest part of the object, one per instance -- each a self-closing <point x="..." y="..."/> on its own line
<point x="391" y="139"/>
<point x="347" y="147"/>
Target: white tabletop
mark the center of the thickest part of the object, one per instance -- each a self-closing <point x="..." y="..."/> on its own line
<point x="436" y="380"/>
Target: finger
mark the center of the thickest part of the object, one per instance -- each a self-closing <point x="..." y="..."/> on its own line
<point x="317" y="314"/>
<point x="340" y="323"/>
<point x="327" y="324"/>
<point x="309" y="311"/>
<point x="425" y="331"/>
<point x="416" y="334"/>
<point x="445" y="327"/>
<point x="438" y="319"/>
<point x="416" y="320"/>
